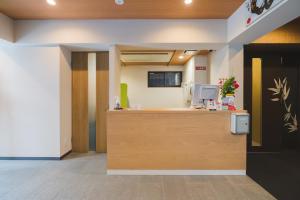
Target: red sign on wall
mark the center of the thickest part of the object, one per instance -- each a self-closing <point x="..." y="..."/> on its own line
<point x="201" y="68"/>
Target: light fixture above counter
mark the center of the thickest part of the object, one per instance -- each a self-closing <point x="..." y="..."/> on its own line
<point x="51" y="2"/>
<point x="187" y="2"/>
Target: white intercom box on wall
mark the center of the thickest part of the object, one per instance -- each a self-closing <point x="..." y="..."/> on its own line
<point x="240" y="123"/>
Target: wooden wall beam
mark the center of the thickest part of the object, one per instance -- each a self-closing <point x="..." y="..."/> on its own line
<point x="80" y="123"/>
<point x="102" y="77"/>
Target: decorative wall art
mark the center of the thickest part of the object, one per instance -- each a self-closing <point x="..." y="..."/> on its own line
<point x="258" y="8"/>
<point x="281" y="94"/>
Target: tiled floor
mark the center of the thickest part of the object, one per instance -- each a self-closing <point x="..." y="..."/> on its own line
<point x="83" y="177"/>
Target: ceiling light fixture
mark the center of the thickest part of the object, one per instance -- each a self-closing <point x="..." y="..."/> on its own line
<point x="51" y="2"/>
<point x="188" y="1"/>
<point x="119" y="2"/>
<point x="181" y="57"/>
<point x="190" y="52"/>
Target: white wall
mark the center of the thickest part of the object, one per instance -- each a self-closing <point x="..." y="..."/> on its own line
<point x="65" y="101"/>
<point x="191" y="75"/>
<point x="236" y="68"/>
<point x="139" y="94"/>
<point x="35" y="101"/>
<point x="6" y="28"/>
<point x="226" y="62"/>
<point x="120" y="31"/>
<point x="201" y="76"/>
<point x="189" y="71"/>
<point x="114" y="75"/>
<point x="29" y="102"/>
<point x="219" y="65"/>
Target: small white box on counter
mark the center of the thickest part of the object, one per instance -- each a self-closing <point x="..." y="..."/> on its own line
<point x="240" y="123"/>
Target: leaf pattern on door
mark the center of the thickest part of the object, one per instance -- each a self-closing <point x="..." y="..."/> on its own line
<point x="281" y="94"/>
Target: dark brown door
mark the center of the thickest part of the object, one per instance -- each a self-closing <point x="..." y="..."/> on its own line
<point x="280" y="97"/>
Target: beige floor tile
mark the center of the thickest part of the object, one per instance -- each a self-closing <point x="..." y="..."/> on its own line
<point x="83" y="177"/>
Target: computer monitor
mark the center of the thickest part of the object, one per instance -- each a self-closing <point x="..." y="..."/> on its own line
<point x="203" y="92"/>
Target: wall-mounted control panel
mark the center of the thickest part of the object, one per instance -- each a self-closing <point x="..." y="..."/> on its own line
<point x="240" y="123"/>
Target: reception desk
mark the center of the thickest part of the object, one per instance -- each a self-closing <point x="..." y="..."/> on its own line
<point x="173" y="141"/>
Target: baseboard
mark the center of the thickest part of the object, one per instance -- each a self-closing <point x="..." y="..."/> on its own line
<point x="177" y="172"/>
<point x="29" y="158"/>
<point x="35" y="158"/>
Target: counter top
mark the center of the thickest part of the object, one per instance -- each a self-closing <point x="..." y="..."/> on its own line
<point x="173" y="110"/>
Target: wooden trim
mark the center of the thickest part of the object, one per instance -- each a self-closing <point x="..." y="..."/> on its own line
<point x="177" y="172"/>
<point x="140" y="50"/>
<point x="173" y="111"/>
<point x="175" y="59"/>
<point x="80" y="123"/>
<point x="146" y="53"/>
<point x="144" y="63"/>
<point x="172" y="57"/>
<point x="102" y="88"/>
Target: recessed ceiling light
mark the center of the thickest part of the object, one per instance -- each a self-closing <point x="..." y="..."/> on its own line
<point x="119" y="2"/>
<point x="188" y="1"/>
<point x="51" y="2"/>
<point x="181" y="57"/>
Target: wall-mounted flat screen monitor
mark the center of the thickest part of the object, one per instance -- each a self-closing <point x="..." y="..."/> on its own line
<point x="164" y="79"/>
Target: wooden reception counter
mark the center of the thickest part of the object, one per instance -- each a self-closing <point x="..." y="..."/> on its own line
<point x="173" y="141"/>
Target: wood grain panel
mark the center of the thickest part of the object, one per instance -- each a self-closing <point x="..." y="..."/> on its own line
<point x="176" y="61"/>
<point x="80" y="125"/>
<point x="145" y="63"/>
<point x="107" y="9"/>
<point x="102" y="77"/>
<point x="174" y="139"/>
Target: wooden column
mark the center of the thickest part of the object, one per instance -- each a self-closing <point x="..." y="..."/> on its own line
<point x="102" y="62"/>
<point x="80" y="125"/>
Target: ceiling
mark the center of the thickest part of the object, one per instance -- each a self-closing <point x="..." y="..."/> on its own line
<point x="107" y="9"/>
<point x="157" y="57"/>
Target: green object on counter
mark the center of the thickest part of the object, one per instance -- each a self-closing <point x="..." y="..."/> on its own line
<point x="124" y="98"/>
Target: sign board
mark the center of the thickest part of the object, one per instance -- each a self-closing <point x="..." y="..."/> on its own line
<point x="258" y="8"/>
<point x="201" y="68"/>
